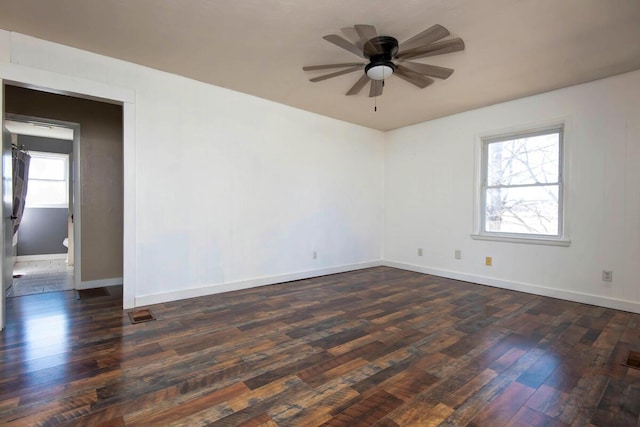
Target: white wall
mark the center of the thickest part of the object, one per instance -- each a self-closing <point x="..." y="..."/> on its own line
<point x="240" y="188"/>
<point x="429" y="196"/>
<point x="233" y="190"/>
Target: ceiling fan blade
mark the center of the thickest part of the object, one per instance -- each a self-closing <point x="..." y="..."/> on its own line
<point x="366" y="32"/>
<point x="326" y="67"/>
<point x="356" y="88"/>
<point x="439" y="48"/>
<point x="345" y="44"/>
<point x="370" y="45"/>
<point x="428" y="36"/>
<point x="376" y="88"/>
<point x="336" y="74"/>
<point x="352" y="36"/>
<point x="412" y="77"/>
<point x="429" y="70"/>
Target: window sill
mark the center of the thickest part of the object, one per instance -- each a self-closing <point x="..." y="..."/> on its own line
<point x="526" y="240"/>
<point x="47" y="207"/>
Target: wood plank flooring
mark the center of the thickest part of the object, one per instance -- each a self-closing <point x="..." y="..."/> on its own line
<point x="381" y="346"/>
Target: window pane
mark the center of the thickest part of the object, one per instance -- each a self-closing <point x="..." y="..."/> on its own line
<point x="529" y="210"/>
<point x="46" y="193"/>
<point x="47" y="168"/>
<point x="527" y="160"/>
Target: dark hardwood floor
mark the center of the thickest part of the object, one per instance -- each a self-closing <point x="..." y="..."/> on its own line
<point x="379" y="347"/>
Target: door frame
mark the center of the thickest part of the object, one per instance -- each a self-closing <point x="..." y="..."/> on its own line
<point x="76" y="195"/>
<point x="46" y="81"/>
<point x="5" y="210"/>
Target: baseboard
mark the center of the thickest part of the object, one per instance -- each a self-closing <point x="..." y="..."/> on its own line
<point x="142" y="300"/>
<point x="43" y="257"/>
<point x="90" y="284"/>
<point x="584" y="298"/>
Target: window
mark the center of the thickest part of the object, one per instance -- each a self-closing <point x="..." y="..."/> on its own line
<point x="521" y="189"/>
<point x="48" y="180"/>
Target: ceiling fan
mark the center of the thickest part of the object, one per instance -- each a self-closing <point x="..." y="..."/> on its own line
<point x="387" y="57"/>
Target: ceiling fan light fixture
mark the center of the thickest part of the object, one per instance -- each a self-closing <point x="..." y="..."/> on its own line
<point x="380" y="70"/>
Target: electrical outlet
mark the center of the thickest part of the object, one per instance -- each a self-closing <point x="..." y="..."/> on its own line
<point x="458" y="254"/>
<point x="488" y="261"/>
<point x="315" y="255"/>
<point x="607" y="276"/>
<point x="419" y="251"/>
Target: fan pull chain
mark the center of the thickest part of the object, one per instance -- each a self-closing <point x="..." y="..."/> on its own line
<point x="375" y="99"/>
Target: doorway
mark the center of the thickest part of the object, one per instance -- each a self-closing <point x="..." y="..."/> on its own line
<point x="25" y="76"/>
<point x="43" y="244"/>
<point x="99" y="213"/>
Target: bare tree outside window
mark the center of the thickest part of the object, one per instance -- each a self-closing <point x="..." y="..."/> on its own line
<point x="522" y="184"/>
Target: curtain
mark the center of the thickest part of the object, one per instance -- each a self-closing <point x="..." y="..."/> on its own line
<point x="20" y="179"/>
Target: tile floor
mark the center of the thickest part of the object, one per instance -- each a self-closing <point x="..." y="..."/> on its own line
<point x="41" y="276"/>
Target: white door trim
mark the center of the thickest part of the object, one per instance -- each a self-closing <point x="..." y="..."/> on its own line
<point x="3" y="226"/>
<point x="47" y="81"/>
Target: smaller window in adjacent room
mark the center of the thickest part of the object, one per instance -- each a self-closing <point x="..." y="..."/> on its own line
<point x="521" y="191"/>
<point x="48" y="180"/>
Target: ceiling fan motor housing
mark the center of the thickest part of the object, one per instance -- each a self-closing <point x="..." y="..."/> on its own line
<point x="380" y="51"/>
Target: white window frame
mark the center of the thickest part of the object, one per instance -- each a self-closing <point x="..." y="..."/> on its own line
<point x="48" y="155"/>
<point x="561" y="238"/>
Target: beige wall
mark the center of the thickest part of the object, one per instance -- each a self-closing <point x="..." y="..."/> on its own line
<point x="100" y="167"/>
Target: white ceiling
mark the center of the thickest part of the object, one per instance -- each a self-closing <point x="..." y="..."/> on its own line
<point x="45" y="130"/>
<point x="514" y="48"/>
